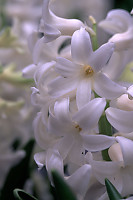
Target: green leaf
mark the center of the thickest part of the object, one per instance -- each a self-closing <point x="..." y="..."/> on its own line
<point x="22" y="195"/>
<point x="111" y="190"/>
<point x="64" y="192"/>
<point x="18" y="174"/>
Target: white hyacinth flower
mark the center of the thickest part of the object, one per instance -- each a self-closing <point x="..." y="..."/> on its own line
<point x="53" y="26"/>
<point x="85" y="72"/>
<point x="79" y="180"/>
<point x="119" y="23"/>
<point x="120" y="170"/>
<point x="75" y="130"/>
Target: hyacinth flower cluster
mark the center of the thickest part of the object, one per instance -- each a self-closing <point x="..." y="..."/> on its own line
<point x="85" y="122"/>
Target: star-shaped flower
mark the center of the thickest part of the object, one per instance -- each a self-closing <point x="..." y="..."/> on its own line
<point x="85" y="71"/>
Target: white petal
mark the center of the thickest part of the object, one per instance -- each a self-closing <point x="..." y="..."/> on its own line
<point x="106" y="88"/>
<point x="40" y="159"/>
<point x="32" y="38"/>
<point x="43" y="138"/>
<point x="104" y="170"/>
<point x="61" y="110"/>
<point x="54" y="161"/>
<point x="57" y="127"/>
<point x="60" y="86"/>
<point x="95" y="143"/>
<point x="81" y="47"/>
<point x="37" y="50"/>
<point x="80" y="179"/>
<point x="76" y="155"/>
<point x="87" y="117"/>
<point x="117" y="20"/>
<point x="101" y="56"/>
<point x="120" y="119"/>
<point x="127" y="149"/>
<point x="65" y="145"/>
<point x="29" y="71"/>
<point x="127" y="176"/>
<point x="83" y="94"/>
<point x="116" y="65"/>
<point x="50" y="33"/>
<point x="54" y="26"/>
<point x="66" y="68"/>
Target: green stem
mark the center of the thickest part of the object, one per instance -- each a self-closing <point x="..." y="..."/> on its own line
<point x="15" y="78"/>
<point x="94" y="37"/>
<point x="105" y="128"/>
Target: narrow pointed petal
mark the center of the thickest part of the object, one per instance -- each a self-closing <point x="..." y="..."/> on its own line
<point x="80" y="179"/>
<point x="87" y="117"/>
<point x="83" y="94"/>
<point x="60" y="86"/>
<point x="66" y="68"/>
<point x="127" y="149"/>
<point x="40" y="159"/>
<point x="43" y="138"/>
<point x="29" y="71"/>
<point x="95" y="143"/>
<point x="120" y="119"/>
<point x="106" y="88"/>
<point x="101" y="56"/>
<point x="81" y="47"/>
<point x="61" y="110"/>
<point x="54" y="161"/>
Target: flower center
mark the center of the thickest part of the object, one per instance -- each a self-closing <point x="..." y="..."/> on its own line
<point x="77" y="127"/>
<point x="88" y="70"/>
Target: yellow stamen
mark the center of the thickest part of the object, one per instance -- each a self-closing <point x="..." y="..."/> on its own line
<point x="88" y="70"/>
<point x="78" y="127"/>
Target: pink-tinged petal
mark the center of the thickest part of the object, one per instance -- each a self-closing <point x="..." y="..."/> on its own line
<point x="60" y="86"/>
<point x="95" y="143"/>
<point x="79" y="180"/>
<point x="54" y="161"/>
<point x="81" y="47"/>
<point x="127" y="149"/>
<point x="120" y="119"/>
<point x="83" y="94"/>
<point x="106" y="88"/>
<point x="66" y="68"/>
<point x="40" y="159"/>
<point x="87" y="117"/>
<point x="61" y="110"/>
<point x="101" y="56"/>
